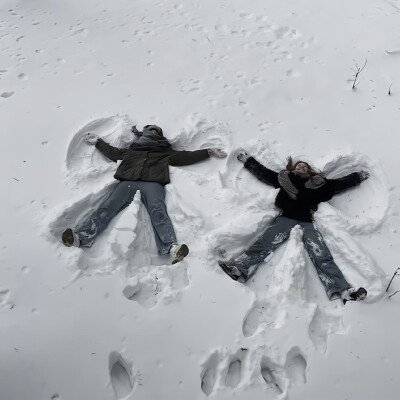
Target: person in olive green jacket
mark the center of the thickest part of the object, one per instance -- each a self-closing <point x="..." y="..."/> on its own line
<point x="145" y="167"/>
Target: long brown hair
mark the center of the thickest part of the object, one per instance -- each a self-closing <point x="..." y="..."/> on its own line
<point x="291" y="167"/>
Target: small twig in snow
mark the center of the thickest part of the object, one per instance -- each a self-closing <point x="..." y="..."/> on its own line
<point x="395" y="273"/>
<point x="389" y="92"/>
<point x="357" y="71"/>
<point x="397" y="291"/>
<point x="157" y="290"/>
<point x="393" y="51"/>
<point x="15" y="179"/>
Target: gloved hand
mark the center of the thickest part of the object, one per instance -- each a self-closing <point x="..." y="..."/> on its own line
<point x="243" y="156"/>
<point x="363" y="175"/>
<point x="91" y="138"/>
<point x="219" y="153"/>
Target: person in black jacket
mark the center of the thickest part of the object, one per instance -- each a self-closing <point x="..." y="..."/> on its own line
<point x="145" y="167"/>
<point x="301" y="190"/>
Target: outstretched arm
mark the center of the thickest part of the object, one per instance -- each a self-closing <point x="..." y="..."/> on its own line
<point x="346" y="182"/>
<point x="180" y="158"/>
<point x="262" y="173"/>
<point x="111" y="152"/>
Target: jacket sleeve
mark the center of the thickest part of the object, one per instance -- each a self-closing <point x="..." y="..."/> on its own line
<point x="345" y="182"/>
<point x="262" y="173"/>
<point x="180" y="158"/>
<point x="111" y="152"/>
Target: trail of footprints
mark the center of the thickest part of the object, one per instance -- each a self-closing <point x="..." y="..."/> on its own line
<point x="215" y="373"/>
<point x="232" y="371"/>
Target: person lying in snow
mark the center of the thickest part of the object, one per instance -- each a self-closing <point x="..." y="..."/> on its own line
<point x="145" y="167"/>
<point x="301" y="190"/>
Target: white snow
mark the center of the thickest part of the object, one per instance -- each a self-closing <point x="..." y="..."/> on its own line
<point x="270" y="77"/>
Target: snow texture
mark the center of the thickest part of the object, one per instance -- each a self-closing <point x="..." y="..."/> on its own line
<point x="117" y="321"/>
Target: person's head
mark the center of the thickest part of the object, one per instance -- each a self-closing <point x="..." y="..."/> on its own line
<point x="301" y="166"/>
<point x="154" y="129"/>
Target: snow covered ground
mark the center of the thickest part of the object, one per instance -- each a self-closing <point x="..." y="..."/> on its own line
<point x="273" y="77"/>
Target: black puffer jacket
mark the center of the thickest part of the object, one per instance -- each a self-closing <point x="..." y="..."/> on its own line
<point x="149" y="164"/>
<point x="307" y="200"/>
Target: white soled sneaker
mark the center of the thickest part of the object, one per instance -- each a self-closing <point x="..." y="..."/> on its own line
<point x="178" y="252"/>
<point x="70" y="238"/>
<point x="353" y="294"/>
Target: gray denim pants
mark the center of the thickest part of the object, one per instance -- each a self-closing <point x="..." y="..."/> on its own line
<point x="119" y="197"/>
<point x="328" y="272"/>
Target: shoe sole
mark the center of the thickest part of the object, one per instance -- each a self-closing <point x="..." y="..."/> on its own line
<point x="181" y="253"/>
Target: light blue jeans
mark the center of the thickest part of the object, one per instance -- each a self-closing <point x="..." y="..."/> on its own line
<point x="329" y="273"/>
<point x="119" y="197"/>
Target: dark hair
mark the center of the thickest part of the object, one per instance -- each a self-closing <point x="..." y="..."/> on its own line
<point x="155" y="128"/>
<point x="291" y="167"/>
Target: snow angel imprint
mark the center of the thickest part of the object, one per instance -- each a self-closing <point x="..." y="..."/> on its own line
<point x="145" y="167"/>
<point x="301" y="190"/>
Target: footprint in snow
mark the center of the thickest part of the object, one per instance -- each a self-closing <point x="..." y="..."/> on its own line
<point x="145" y="293"/>
<point x="6" y="95"/>
<point x="233" y="374"/>
<point x="256" y="316"/>
<point x="209" y="374"/>
<point x="121" y="375"/>
<point x="295" y="366"/>
<point x="228" y="374"/>
<point x="161" y="284"/>
<point x="270" y="374"/>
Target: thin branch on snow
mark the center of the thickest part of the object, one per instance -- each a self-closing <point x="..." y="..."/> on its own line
<point x="397" y="291"/>
<point x="393" y="51"/>
<point x="395" y="273"/>
<point x="389" y="92"/>
<point x="357" y="71"/>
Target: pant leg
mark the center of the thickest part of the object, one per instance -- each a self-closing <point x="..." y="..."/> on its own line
<point x="273" y="237"/>
<point x="327" y="270"/>
<point x="95" y="222"/>
<point x="153" y="197"/>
